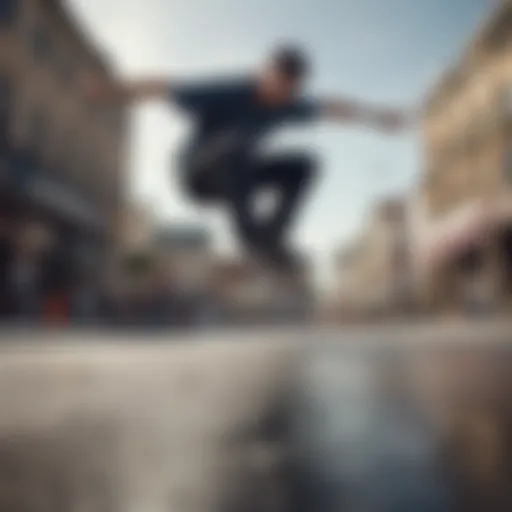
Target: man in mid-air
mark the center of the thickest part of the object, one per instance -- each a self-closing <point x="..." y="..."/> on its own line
<point x="222" y="162"/>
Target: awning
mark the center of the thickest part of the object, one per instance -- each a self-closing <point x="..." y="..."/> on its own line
<point x="20" y="172"/>
<point x="467" y="227"/>
<point x="450" y="237"/>
<point x="64" y="201"/>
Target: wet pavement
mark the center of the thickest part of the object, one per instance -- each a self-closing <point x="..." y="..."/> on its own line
<point x="378" y="419"/>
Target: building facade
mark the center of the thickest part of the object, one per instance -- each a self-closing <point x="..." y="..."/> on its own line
<point x="61" y="157"/>
<point x="184" y="254"/>
<point x="466" y="246"/>
<point x="249" y="293"/>
<point x="374" y="271"/>
<point x="136" y="227"/>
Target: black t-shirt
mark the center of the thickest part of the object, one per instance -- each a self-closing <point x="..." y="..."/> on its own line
<point x="229" y="118"/>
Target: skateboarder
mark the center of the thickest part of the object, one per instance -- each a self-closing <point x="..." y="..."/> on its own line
<point x="221" y="161"/>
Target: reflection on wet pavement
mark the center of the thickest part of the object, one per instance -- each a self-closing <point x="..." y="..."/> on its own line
<point x="256" y="427"/>
<point x="405" y="430"/>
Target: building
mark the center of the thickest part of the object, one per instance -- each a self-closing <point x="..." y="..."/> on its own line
<point x="465" y="250"/>
<point x="61" y="158"/>
<point x="419" y="230"/>
<point x="132" y="254"/>
<point x="136" y="227"/>
<point x="241" y="288"/>
<point x="248" y="292"/>
<point x="184" y="254"/>
<point x="374" y="271"/>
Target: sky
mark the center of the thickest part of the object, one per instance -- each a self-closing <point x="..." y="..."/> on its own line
<point x="388" y="52"/>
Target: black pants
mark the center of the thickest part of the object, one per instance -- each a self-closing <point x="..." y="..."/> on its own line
<point x="235" y="184"/>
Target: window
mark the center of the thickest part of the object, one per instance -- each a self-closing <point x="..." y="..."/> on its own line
<point x="5" y="106"/>
<point x="111" y="189"/>
<point x="41" y="41"/>
<point x="37" y="126"/>
<point x="73" y="161"/>
<point x="86" y="169"/>
<point x="508" y="163"/>
<point x="8" y="11"/>
<point x="62" y="147"/>
<point x="506" y="100"/>
<point x="117" y="119"/>
<point x="67" y="69"/>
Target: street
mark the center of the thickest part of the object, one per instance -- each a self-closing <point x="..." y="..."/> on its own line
<point x="149" y="263"/>
<point x="217" y="422"/>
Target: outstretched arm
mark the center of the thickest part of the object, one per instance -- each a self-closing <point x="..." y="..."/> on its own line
<point x="104" y="91"/>
<point x="350" y="111"/>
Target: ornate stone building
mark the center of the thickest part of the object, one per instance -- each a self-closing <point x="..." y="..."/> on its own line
<point x="466" y="248"/>
<point x="62" y="157"/>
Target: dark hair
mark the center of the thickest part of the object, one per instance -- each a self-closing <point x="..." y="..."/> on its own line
<point x="291" y="61"/>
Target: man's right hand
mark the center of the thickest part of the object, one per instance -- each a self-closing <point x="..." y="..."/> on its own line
<point x="384" y="119"/>
<point x="394" y="120"/>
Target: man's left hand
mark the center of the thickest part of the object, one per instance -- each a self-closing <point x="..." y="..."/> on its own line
<point x="392" y="120"/>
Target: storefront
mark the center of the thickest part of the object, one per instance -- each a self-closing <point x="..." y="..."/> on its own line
<point x="75" y="232"/>
<point x="467" y="259"/>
